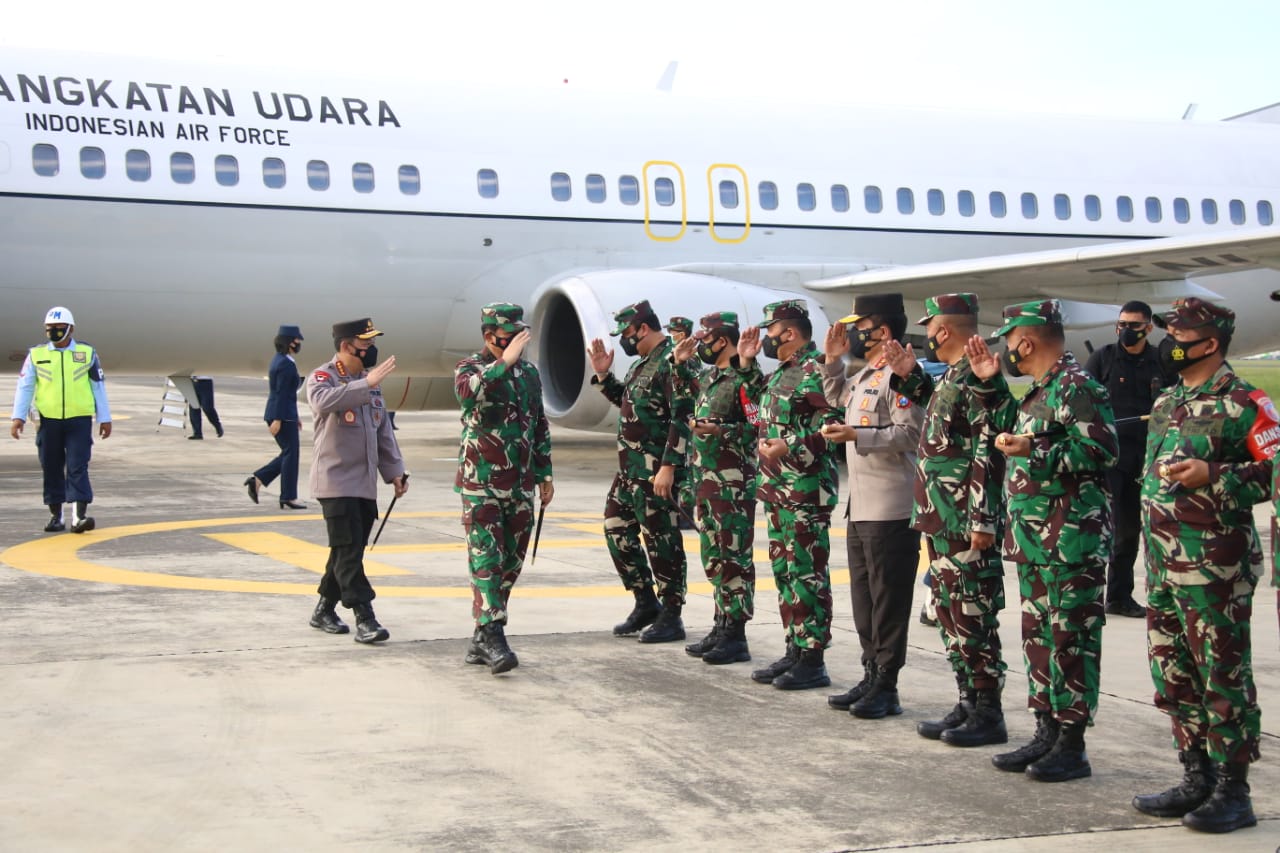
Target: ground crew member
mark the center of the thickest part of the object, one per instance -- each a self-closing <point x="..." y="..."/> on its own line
<point x="506" y="449"/>
<point x="1130" y="369"/>
<point x="680" y="328"/>
<point x="353" y="445"/>
<point x="653" y="430"/>
<point x="959" y="506"/>
<point x="723" y="466"/>
<point x="64" y="380"/>
<point x="1059" y="530"/>
<point x="1200" y="483"/>
<point x="798" y="485"/>
<point x="881" y="432"/>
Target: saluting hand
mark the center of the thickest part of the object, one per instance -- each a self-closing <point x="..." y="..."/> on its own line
<point x="601" y="357"/>
<point x="901" y="360"/>
<point x="749" y="343"/>
<point x="836" y="343"/>
<point x="380" y="371"/>
<point x="512" y="353"/>
<point x="684" y="349"/>
<point x="984" y="364"/>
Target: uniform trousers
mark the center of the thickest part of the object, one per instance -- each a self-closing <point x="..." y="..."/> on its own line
<point x="883" y="558"/>
<point x="497" y="536"/>
<point x="349" y="522"/>
<point x="631" y="510"/>
<point x="967" y="596"/>
<point x="1126" y="513"/>
<point x="285" y="464"/>
<point x="799" y="553"/>
<point x="1062" y="637"/>
<point x="726" y="530"/>
<point x="64" y="446"/>
<point x="204" y="396"/>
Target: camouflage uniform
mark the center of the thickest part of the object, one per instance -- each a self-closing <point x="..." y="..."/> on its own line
<point x="686" y="482"/>
<point x="653" y="429"/>
<point x="505" y="451"/>
<point x="1203" y="555"/>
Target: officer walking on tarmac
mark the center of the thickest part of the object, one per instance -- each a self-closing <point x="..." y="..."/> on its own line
<point x="1206" y="466"/>
<point x="64" y="380"/>
<point x="353" y="445"/>
<point x="1059" y="530"/>
<point x="506" y="449"/>
<point x="653" y="430"/>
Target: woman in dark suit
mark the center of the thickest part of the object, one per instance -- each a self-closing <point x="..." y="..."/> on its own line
<point x="282" y="419"/>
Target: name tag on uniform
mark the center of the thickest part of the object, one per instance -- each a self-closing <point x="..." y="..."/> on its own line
<point x="1202" y="427"/>
<point x="1040" y="410"/>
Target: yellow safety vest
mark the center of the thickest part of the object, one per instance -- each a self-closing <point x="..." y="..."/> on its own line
<point x="62" y="381"/>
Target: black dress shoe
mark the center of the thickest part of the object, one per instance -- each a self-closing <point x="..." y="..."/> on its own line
<point x="55" y="525"/>
<point x="195" y="438"/>
<point x="292" y="505"/>
<point x="1129" y="608"/>
<point x="252" y="485"/>
<point x="218" y="429"/>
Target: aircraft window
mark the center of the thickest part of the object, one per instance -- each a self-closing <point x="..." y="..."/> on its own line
<point x="768" y="192"/>
<point x="1265" y="215"/>
<point x="226" y="170"/>
<point x="629" y="189"/>
<point x="1030" y="206"/>
<point x="1209" y="211"/>
<point x="664" y="192"/>
<point x="1181" y="210"/>
<point x="44" y="159"/>
<point x="488" y="183"/>
<point x="595" y="189"/>
<point x="999" y="209"/>
<point x="1236" y="207"/>
<point x="273" y="172"/>
<point x="1124" y="208"/>
<point x="137" y="164"/>
<point x="410" y="180"/>
<point x="362" y="177"/>
<point x="561" y="186"/>
<point x="839" y="197"/>
<point x="1154" y="213"/>
<point x="93" y="162"/>
<point x="806" y="197"/>
<point x="728" y="194"/>
<point x="937" y="206"/>
<point x="872" y="198"/>
<point x="318" y="175"/>
<point x="182" y="167"/>
<point x="1062" y="206"/>
<point x="1092" y="208"/>
<point x="965" y="203"/>
<point x="906" y="200"/>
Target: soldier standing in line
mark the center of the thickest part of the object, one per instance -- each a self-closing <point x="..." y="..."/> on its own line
<point x="881" y="432"/>
<point x="798" y="483"/>
<point x="959" y="506"/>
<point x="1204" y="471"/>
<point x="353" y="445"/>
<point x="1059" y="530"/>
<point x="723" y="466"/>
<point x="653" y="429"/>
<point x="680" y="328"/>
<point x="506" y="449"/>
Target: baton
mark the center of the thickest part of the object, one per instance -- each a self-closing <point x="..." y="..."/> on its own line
<point x="403" y="481"/>
<point x="537" y="533"/>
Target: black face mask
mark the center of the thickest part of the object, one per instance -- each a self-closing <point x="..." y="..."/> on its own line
<point x="771" y="346"/>
<point x="858" y="346"/>
<point x="931" y="346"/>
<point x="295" y="347"/>
<point x="368" y="356"/>
<point x="1011" y="360"/>
<point x="1173" y="354"/>
<point x="1132" y="337"/>
<point x="706" y="352"/>
<point x="502" y="343"/>
<point x="57" y="333"/>
<point x="630" y="344"/>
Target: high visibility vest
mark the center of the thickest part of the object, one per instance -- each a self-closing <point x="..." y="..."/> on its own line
<point x="62" y="381"/>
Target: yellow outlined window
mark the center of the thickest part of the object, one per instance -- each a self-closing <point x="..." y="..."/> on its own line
<point x="724" y="180"/>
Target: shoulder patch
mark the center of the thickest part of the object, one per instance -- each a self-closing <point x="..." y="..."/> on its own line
<point x="321" y="376"/>
<point x="903" y="402"/>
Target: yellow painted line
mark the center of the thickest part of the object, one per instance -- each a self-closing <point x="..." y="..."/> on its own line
<point x="295" y="552"/>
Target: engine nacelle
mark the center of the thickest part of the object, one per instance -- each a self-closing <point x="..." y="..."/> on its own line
<point x="569" y="313"/>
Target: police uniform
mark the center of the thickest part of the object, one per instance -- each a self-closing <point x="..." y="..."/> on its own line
<point x="353" y="445"/>
<point x="63" y="379"/>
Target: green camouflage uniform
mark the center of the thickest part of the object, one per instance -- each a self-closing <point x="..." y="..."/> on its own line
<point x="686" y="493"/>
<point x="724" y="475"/>
<point x="653" y="429"/>
<point x="1059" y="529"/>
<point x="800" y="489"/>
<point x="1203" y="557"/>
<point x="505" y="451"/>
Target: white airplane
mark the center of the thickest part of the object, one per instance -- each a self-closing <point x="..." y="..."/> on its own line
<point x="183" y="212"/>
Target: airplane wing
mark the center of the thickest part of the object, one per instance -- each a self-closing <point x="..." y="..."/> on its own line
<point x="1158" y="270"/>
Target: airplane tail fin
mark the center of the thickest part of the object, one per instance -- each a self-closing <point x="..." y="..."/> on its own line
<point x="1269" y="114"/>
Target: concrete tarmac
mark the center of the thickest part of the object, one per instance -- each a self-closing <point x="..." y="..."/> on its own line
<point x="163" y="691"/>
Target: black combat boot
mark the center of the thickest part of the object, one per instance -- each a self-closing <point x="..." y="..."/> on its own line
<point x="367" y="628"/>
<point x="325" y="617"/>
<point x="1198" y="778"/>
<point x="708" y="642"/>
<point x="807" y="673"/>
<point x="933" y="729"/>
<point x="474" y="653"/>
<point x="732" y="646"/>
<point x="667" y="628"/>
<point x="881" y="700"/>
<point x="1041" y="742"/>
<point x="80" y="522"/>
<point x="781" y="665"/>
<point x="1228" y="807"/>
<point x="1067" y="760"/>
<point x="842" y="701"/>
<point x="493" y="647"/>
<point x="985" y="724"/>
<point x="646" y="610"/>
<point x="55" y="524"/>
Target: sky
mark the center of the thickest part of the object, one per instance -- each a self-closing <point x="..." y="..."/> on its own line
<point x="1123" y="58"/>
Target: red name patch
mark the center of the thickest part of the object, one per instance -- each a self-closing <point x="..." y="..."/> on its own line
<point x="321" y="376"/>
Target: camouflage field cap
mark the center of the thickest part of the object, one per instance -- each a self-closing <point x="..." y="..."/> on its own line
<point x="1042" y="312"/>
<point x="716" y="320"/>
<point x="626" y="316"/>
<point x="787" y="309"/>
<point x="362" y="329"/>
<point x="875" y="304"/>
<point x="1192" y="312"/>
<point x="680" y="324"/>
<point x="506" y="316"/>
<point x="949" y="303"/>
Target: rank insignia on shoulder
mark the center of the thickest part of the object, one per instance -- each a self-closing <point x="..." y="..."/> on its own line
<point x="349" y="416"/>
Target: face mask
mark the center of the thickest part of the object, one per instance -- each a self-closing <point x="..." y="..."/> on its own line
<point x="368" y="356"/>
<point x="1011" y="359"/>
<point x="630" y="345"/>
<point x="502" y="343"/>
<point x="295" y="347"/>
<point x="57" y="333"/>
<point x="1131" y="337"/>
<point x="771" y="345"/>
<point x="858" y="346"/>
<point x="707" y="354"/>
<point x="931" y="346"/>
<point x="1173" y="354"/>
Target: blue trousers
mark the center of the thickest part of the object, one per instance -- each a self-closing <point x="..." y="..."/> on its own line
<point x="64" y="446"/>
<point x="285" y="465"/>
<point x="204" y="394"/>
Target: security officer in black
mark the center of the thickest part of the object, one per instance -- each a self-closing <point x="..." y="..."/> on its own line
<point x="1134" y="378"/>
